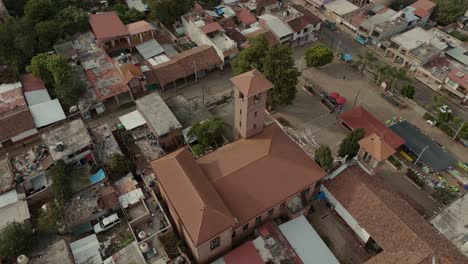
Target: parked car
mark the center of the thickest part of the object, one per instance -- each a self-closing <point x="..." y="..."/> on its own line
<point x="445" y="109"/>
<point x="431" y="122"/>
<point x="106" y="223"/>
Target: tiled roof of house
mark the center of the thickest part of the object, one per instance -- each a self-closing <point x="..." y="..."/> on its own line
<point x="246" y="17"/>
<point x="299" y="23"/>
<point x="268" y="35"/>
<point x="403" y="234"/>
<point x="184" y="63"/>
<point x="459" y="76"/>
<point x="139" y="27"/>
<point x="130" y="71"/>
<point x="247" y="177"/>
<point x="377" y="148"/>
<point x="15" y="122"/>
<point x="189" y="191"/>
<point x="31" y="83"/>
<point x="107" y="26"/>
<point x="211" y="27"/>
<point x="360" y="118"/>
<point x="251" y="83"/>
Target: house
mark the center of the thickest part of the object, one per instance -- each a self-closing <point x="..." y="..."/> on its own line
<point x="203" y="30"/>
<point x="112" y="35"/>
<point x="384" y="221"/>
<point x="294" y="241"/>
<point x="337" y="9"/>
<point x="372" y="151"/>
<point x="187" y="65"/>
<point x="44" y="110"/>
<point x="13" y="204"/>
<point x="278" y="27"/>
<point x="304" y="24"/>
<point x="361" y="118"/>
<point x="451" y="223"/>
<point x="161" y="121"/>
<point x="267" y="34"/>
<point x="415" y="48"/>
<point x="105" y="143"/>
<point x="86" y="250"/>
<point x="457" y="83"/>
<point x="57" y="252"/>
<point x="460" y="54"/>
<point x="15" y="117"/>
<point x="70" y="142"/>
<point x="217" y="200"/>
<point x="246" y="19"/>
<point x="319" y="4"/>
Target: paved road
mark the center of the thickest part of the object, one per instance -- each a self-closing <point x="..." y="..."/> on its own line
<point x="342" y="41"/>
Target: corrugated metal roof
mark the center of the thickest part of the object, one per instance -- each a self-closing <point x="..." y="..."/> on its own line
<point x="132" y="120"/>
<point x="158" y="114"/>
<point x="86" y="250"/>
<point x="150" y="48"/>
<point x="276" y="25"/>
<point x="47" y="113"/>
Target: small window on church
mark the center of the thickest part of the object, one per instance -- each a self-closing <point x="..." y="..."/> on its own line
<point x="241" y="96"/>
<point x="255" y="126"/>
<point x="256" y="97"/>
<point x="255" y="113"/>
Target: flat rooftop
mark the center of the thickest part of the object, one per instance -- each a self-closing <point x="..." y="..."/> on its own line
<point x="11" y="97"/>
<point x="13" y="207"/>
<point x="340" y="7"/>
<point x="416" y="37"/>
<point x="73" y="136"/>
<point x="7" y="180"/>
<point x="158" y="114"/>
<point x="105" y="142"/>
<point x="276" y="25"/>
<point x="58" y="252"/>
<point x="32" y="162"/>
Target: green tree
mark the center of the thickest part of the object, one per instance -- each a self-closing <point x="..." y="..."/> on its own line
<point x="448" y="11"/>
<point x="169" y="11"/>
<point x="463" y="134"/>
<point x="324" y="157"/>
<point x="120" y="164"/>
<point x="15" y="239"/>
<point x="437" y="101"/>
<point x="49" y="219"/>
<point x="318" y="56"/>
<point x="210" y="4"/>
<point x="199" y="150"/>
<point x="408" y="91"/>
<point x="350" y="146"/>
<point x="365" y="61"/>
<point x="15" y="7"/>
<point x="72" y="20"/>
<point x="39" y="10"/>
<point x="128" y="15"/>
<point x="17" y="44"/>
<point x="252" y="57"/>
<point x="70" y="90"/>
<point x="209" y="133"/>
<point x="47" y="32"/>
<point x="62" y="175"/>
<point x="8" y="74"/>
<point x="279" y="68"/>
<point x="444" y="195"/>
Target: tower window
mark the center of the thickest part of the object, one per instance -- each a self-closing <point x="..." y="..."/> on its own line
<point x="240" y="111"/>
<point x="241" y="96"/>
<point x="255" y="126"/>
<point x="255" y="113"/>
<point x="256" y="97"/>
<point x="240" y="123"/>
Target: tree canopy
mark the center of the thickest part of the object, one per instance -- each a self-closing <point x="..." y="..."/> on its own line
<point x="448" y="11"/>
<point x="15" y="239"/>
<point x="120" y="164"/>
<point x="209" y="134"/>
<point x="408" y="91"/>
<point x="350" y="146"/>
<point x="128" y="15"/>
<point x="55" y="71"/>
<point x="169" y="11"/>
<point x="279" y="68"/>
<point x="48" y="220"/>
<point x="318" y="56"/>
<point x="62" y="175"/>
<point x="324" y="157"/>
<point x="276" y="63"/>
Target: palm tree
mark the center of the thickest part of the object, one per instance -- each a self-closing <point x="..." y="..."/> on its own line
<point x="365" y="61"/>
<point x="383" y="72"/>
<point x="396" y="75"/>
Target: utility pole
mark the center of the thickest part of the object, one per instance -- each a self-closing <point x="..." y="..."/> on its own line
<point x="458" y="131"/>
<point x="338" y="48"/>
<point x="424" y="149"/>
<point x="355" y="99"/>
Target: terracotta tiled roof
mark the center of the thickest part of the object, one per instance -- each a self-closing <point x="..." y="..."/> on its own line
<point x="130" y="71"/>
<point x="11" y="99"/>
<point x="299" y="23"/>
<point x="107" y="26"/>
<point x="268" y="35"/>
<point x="246" y="253"/>
<point x="360" y="118"/>
<point x="246" y="177"/>
<point x="251" y="83"/>
<point x="246" y="17"/>
<point x="197" y="203"/>
<point x="264" y="3"/>
<point x="139" y="27"/>
<point x="211" y="27"/>
<point x="108" y="197"/>
<point x="404" y="235"/>
<point x="31" y="83"/>
<point x="424" y="5"/>
<point x="183" y="64"/>
<point x="377" y="148"/>
<point x="15" y="122"/>
<point x="463" y="80"/>
<point x="249" y="173"/>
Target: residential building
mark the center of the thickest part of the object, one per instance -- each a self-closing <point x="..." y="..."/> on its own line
<point x="372" y="151"/>
<point x="15" y="117"/>
<point x="112" y="35"/>
<point x="451" y="223"/>
<point x="385" y="222"/>
<point x="217" y="200"/>
<point x="246" y="19"/>
<point x="70" y="142"/>
<point x="415" y="48"/>
<point x="278" y="27"/>
<point x="161" y="121"/>
<point x="318" y="3"/>
<point x="86" y="250"/>
<point x="203" y="30"/>
<point x="460" y="54"/>
<point x="304" y="24"/>
<point x="337" y="9"/>
<point x="57" y="252"/>
<point x="456" y="82"/>
<point x="44" y="110"/>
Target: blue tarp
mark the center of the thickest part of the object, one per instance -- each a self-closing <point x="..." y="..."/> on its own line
<point x="361" y="40"/>
<point x="347" y="57"/>
<point x="97" y="177"/>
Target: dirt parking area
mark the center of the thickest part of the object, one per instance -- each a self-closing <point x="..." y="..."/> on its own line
<point x="337" y="235"/>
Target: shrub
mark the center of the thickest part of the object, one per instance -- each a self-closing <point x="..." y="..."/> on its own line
<point x="445" y="128"/>
<point x="412" y="176"/>
<point x="408" y="91"/>
<point x="318" y="56"/>
<point x="324" y="157"/>
<point x="444" y="195"/>
<point x="428" y="116"/>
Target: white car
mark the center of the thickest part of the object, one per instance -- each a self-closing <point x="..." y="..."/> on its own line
<point x="106" y="223"/>
<point x="431" y="122"/>
<point x="445" y="109"/>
